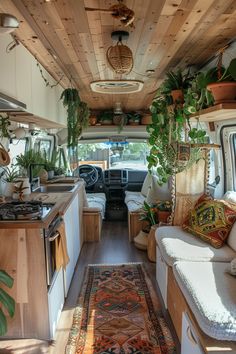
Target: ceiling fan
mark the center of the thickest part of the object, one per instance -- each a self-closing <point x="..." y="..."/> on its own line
<point x="119" y="11"/>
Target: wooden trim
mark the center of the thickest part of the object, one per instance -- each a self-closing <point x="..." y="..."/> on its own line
<point x="216" y="113"/>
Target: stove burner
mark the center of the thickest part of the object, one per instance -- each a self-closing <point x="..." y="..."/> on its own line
<point x="26" y="210"/>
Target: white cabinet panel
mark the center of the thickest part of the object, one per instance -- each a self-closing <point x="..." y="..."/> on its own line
<point x="71" y="219"/>
<point x="55" y="301"/>
<point x="190" y="342"/>
<point x="161" y="275"/>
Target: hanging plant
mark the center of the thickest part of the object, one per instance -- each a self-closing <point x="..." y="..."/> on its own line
<point x="4" y="126"/>
<point x="77" y="115"/>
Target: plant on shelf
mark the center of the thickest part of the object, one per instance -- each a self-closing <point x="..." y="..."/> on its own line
<point x="77" y="115"/>
<point x="105" y="117"/>
<point x="223" y="88"/>
<point x="6" y="301"/>
<point x="9" y="176"/>
<point x="134" y="118"/>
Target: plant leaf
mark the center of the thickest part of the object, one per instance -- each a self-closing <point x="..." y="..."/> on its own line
<point x="3" y="323"/>
<point x="8" y="302"/>
<point x="6" y="279"/>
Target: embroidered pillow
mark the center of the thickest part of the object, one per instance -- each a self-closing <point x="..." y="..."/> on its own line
<point x="211" y="220"/>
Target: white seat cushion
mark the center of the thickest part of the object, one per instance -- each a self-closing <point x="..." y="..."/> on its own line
<point x="134" y="200"/>
<point x="210" y="293"/>
<point x="97" y="200"/>
<point x="175" y="244"/>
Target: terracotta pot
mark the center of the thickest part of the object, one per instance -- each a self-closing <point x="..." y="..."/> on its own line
<point x="177" y="96"/>
<point x="92" y="120"/>
<point x="163" y="215"/>
<point x="146" y="119"/>
<point x="223" y="92"/>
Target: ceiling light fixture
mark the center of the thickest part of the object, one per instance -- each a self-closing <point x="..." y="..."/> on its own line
<point x="116" y="87"/>
<point x="120" y="57"/>
<point x="8" y="23"/>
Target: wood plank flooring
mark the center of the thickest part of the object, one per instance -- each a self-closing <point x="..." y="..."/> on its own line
<point x="113" y="248"/>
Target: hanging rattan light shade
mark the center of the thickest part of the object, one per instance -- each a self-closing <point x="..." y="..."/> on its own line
<point x="120" y="58"/>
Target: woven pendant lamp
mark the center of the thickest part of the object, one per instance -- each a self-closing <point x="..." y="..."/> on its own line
<point x="120" y="57"/>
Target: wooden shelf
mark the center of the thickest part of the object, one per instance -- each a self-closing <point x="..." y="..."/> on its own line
<point x="216" y="113"/>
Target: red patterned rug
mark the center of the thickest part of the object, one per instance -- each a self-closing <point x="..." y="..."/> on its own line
<point x="118" y="313"/>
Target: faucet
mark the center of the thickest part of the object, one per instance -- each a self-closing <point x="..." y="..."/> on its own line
<point x="34" y="182"/>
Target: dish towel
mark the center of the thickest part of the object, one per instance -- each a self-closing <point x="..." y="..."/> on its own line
<point x="61" y="254"/>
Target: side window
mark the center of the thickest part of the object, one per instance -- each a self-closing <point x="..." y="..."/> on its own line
<point x="44" y="146"/>
<point x="16" y="147"/>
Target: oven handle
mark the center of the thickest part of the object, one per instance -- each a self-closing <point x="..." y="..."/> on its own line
<point x="53" y="238"/>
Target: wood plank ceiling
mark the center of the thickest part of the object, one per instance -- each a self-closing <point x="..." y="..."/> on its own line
<point x="72" y="42"/>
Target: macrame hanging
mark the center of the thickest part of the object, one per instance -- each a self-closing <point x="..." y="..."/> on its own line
<point x="120" y="57"/>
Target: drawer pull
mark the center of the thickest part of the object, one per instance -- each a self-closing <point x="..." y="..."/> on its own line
<point x="191" y="336"/>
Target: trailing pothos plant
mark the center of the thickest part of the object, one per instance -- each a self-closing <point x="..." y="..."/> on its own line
<point x="170" y="138"/>
<point x="77" y="115"/>
<point x="7" y="303"/>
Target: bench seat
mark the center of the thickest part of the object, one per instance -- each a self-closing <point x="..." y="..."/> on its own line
<point x="211" y="297"/>
<point x="175" y="244"/>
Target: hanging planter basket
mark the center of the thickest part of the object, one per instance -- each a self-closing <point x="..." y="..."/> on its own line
<point x="120" y="58"/>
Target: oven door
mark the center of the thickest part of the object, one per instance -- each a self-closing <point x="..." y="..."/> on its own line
<point x="50" y="235"/>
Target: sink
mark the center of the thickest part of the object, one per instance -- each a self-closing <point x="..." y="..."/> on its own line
<point x="55" y="189"/>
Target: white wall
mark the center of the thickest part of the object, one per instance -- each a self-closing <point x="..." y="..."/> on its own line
<point x="20" y="78"/>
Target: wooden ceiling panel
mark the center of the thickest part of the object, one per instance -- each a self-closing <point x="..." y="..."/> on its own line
<point x="166" y="34"/>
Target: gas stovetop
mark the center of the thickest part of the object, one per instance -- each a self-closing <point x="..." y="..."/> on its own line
<point x="25" y="210"/>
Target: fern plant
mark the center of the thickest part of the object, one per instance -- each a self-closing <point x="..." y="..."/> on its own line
<point x="7" y="303"/>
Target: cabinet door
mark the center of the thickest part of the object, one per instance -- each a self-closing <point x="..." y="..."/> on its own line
<point x="71" y="219"/>
<point x="161" y="275"/>
<point x="55" y="301"/>
<point x="190" y="342"/>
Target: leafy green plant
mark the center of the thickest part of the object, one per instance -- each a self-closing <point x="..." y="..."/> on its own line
<point x="4" y="126"/>
<point x="6" y="301"/>
<point x="229" y="73"/>
<point x="77" y="115"/>
<point x="28" y="158"/>
<point x="134" y="117"/>
<point x="9" y="174"/>
<point x="105" y="116"/>
<point x="175" y="80"/>
<point x="149" y="214"/>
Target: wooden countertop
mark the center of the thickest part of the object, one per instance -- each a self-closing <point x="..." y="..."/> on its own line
<point x="62" y="201"/>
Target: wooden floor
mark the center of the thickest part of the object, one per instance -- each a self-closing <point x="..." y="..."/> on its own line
<point x="113" y="248"/>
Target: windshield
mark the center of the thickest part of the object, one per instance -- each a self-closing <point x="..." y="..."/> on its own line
<point x="114" y="155"/>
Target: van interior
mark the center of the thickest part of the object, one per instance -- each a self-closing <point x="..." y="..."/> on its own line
<point x="118" y="176"/>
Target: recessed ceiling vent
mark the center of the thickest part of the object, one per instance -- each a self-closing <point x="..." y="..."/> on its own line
<point x="116" y="86"/>
<point x="8" y="23"/>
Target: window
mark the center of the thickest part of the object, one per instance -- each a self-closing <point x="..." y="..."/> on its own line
<point x="130" y="155"/>
<point x="16" y="147"/>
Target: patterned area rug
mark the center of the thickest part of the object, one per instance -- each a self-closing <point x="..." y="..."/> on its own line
<point x="118" y="313"/>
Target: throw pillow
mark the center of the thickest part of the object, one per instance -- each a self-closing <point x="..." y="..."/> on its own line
<point x="211" y="220"/>
<point x="157" y="192"/>
<point x="146" y="184"/>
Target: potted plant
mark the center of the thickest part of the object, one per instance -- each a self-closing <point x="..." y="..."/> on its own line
<point x="106" y="117"/>
<point x="224" y="88"/>
<point x="9" y="176"/>
<point x="134" y="118"/>
<point x="30" y="157"/>
<point x="164" y="208"/>
<point x="175" y="84"/>
<point x="77" y="115"/>
<point x="6" y="301"/>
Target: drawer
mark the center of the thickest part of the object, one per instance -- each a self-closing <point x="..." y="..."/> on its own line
<point x="161" y="275"/>
<point x="190" y="342"/>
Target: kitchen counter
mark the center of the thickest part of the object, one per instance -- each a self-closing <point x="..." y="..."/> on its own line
<point x="62" y="200"/>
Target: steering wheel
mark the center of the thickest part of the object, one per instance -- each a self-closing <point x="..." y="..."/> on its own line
<point x="89" y="174"/>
